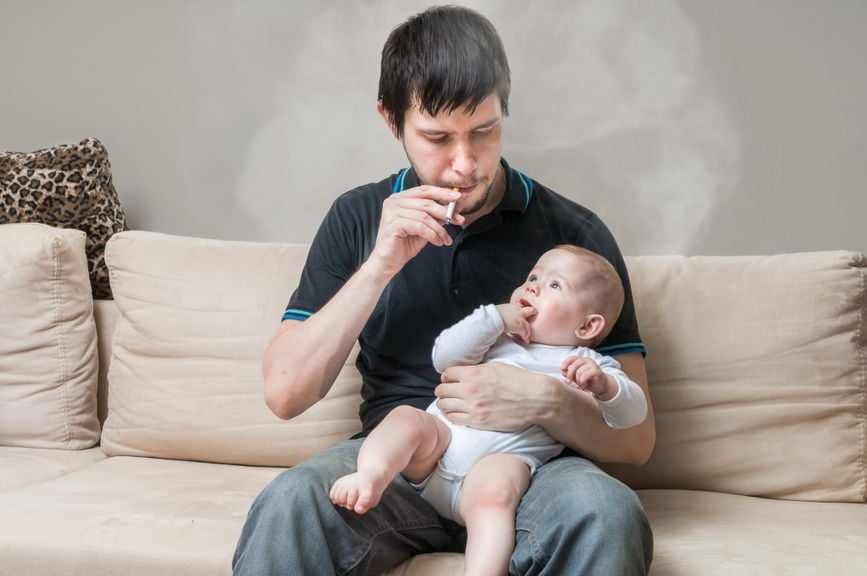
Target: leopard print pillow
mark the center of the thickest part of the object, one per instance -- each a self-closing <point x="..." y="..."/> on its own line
<point x="66" y="186"/>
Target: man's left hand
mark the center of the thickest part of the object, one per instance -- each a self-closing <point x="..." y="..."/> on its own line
<point x="495" y="396"/>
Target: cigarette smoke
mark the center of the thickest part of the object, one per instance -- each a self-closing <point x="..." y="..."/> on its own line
<point x="610" y="106"/>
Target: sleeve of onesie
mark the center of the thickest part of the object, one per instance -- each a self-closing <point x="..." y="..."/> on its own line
<point x="629" y="406"/>
<point x="467" y="342"/>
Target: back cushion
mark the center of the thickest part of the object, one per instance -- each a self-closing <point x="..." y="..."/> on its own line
<point x="757" y="374"/>
<point x="185" y="374"/>
<point x="48" y="364"/>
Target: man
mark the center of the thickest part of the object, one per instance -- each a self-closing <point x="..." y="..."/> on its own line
<point x="385" y="269"/>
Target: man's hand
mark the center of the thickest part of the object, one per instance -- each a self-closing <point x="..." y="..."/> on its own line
<point x="515" y="319"/>
<point x="495" y="396"/>
<point x="410" y="220"/>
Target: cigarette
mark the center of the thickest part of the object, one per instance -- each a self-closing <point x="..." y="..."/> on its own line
<point x="450" y="211"/>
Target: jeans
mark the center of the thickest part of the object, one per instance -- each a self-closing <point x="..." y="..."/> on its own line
<point x="574" y="519"/>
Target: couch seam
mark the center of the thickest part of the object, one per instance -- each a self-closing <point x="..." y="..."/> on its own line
<point x="61" y="348"/>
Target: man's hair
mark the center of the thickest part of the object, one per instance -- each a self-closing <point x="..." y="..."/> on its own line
<point x="441" y="59"/>
<point x="603" y="288"/>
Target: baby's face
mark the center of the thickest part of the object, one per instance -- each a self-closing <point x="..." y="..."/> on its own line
<point x="553" y="288"/>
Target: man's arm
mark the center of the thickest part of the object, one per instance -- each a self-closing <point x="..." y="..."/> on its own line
<point x="303" y="358"/>
<point x="497" y="396"/>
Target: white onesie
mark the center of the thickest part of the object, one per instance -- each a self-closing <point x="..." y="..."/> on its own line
<point x="479" y="338"/>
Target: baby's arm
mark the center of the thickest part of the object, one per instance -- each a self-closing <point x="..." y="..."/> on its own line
<point x="467" y="342"/>
<point x="621" y="400"/>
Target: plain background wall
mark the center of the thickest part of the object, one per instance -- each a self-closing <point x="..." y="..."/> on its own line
<point x="695" y="127"/>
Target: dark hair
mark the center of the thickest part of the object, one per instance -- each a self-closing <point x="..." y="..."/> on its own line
<point x="440" y="59"/>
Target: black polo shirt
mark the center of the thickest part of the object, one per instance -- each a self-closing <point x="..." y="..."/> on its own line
<point x="442" y="285"/>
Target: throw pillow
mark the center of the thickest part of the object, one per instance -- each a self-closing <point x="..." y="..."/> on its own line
<point x="48" y="361"/>
<point x="66" y="186"/>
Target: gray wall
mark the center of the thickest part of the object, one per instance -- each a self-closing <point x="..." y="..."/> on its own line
<point x="696" y="127"/>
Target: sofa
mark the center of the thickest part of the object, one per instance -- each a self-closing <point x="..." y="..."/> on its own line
<point x="134" y="435"/>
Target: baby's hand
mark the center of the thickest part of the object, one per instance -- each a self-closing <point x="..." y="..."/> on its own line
<point x="515" y="320"/>
<point x="587" y="375"/>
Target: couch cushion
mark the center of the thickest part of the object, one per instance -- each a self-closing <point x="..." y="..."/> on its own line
<point x="185" y="375"/>
<point x="26" y="466"/>
<point x="69" y="186"/>
<point x="131" y="516"/>
<point x="48" y="364"/>
<point x="757" y="374"/>
<point x="723" y="534"/>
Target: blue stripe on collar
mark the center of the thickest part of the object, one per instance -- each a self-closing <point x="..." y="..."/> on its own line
<point x="398" y="184"/>
<point x="528" y="187"/>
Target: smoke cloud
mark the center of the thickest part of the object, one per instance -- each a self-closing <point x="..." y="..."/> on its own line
<point x="610" y="106"/>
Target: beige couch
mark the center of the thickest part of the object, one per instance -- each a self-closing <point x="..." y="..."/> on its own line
<point x="757" y="370"/>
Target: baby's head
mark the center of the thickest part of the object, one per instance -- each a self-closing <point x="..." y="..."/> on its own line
<point x="577" y="296"/>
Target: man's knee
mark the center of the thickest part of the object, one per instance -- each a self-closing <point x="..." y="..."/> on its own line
<point x="595" y="498"/>
<point x="571" y="503"/>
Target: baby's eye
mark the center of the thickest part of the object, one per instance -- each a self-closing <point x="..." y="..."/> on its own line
<point x="555" y="285"/>
<point x="532" y="278"/>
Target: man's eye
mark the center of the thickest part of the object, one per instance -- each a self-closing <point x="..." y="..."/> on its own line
<point x="437" y="139"/>
<point x="482" y="133"/>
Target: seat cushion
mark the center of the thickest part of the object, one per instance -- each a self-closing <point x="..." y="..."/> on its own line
<point x="722" y="534"/>
<point x="26" y="466"/>
<point x="132" y="516"/>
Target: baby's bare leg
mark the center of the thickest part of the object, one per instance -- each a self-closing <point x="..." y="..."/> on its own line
<point x="491" y="493"/>
<point x="408" y="440"/>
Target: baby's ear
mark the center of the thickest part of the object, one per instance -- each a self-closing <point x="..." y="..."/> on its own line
<point x="591" y="327"/>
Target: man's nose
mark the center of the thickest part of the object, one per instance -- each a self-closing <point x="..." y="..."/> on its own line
<point x="464" y="160"/>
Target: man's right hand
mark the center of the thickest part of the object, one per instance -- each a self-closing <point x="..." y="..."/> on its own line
<point x="411" y="219"/>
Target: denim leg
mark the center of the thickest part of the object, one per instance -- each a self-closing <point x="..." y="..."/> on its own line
<point x="575" y="519"/>
<point x="293" y="528"/>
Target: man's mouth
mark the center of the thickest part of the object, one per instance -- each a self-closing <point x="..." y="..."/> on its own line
<point x="464" y="189"/>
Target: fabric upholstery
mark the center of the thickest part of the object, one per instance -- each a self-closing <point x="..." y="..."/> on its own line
<point x="105" y="313"/>
<point x="716" y="534"/>
<point x="186" y="381"/>
<point x="26" y="466"/>
<point x="68" y="186"/>
<point x="757" y="369"/>
<point x="48" y="363"/>
<point x="143" y="516"/>
<point x="130" y="516"/>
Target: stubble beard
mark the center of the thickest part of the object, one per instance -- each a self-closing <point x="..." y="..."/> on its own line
<point x="468" y="209"/>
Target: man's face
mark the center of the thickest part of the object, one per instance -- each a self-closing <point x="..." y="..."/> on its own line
<point x="459" y="150"/>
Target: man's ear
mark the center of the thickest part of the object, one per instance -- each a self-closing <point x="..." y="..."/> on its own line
<point x="591" y="327"/>
<point x="389" y="119"/>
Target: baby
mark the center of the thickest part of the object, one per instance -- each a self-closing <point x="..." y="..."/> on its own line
<point x="568" y="304"/>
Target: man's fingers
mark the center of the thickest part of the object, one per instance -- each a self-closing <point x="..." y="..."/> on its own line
<point x="419" y="218"/>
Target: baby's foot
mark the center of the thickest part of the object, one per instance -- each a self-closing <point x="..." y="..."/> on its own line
<point x="360" y="491"/>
